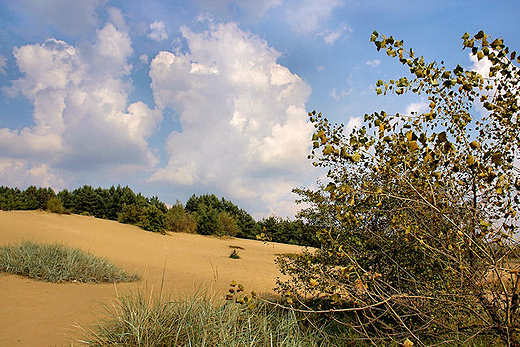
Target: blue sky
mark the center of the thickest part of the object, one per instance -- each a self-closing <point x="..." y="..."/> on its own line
<point x="175" y="98"/>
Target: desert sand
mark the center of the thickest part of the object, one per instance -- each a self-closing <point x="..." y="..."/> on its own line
<point x="33" y="313"/>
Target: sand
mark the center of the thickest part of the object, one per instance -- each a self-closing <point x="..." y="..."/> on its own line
<point x="33" y="313"/>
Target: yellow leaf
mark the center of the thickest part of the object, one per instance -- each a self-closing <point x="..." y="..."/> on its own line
<point x="474" y="144"/>
<point x="407" y="343"/>
<point x="313" y="282"/>
<point x="413" y="146"/>
<point x="496" y="158"/>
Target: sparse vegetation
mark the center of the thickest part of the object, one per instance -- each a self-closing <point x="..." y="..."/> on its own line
<point x="59" y="263"/>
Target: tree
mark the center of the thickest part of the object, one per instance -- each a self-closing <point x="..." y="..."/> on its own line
<point x="208" y="207"/>
<point x="418" y="217"/>
<point x="179" y="220"/>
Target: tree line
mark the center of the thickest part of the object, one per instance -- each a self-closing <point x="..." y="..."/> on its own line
<point x="204" y="214"/>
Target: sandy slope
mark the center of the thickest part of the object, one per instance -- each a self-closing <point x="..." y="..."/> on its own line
<point x="42" y="314"/>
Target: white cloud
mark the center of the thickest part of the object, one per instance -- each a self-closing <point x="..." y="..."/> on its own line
<point x="341" y="94"/>
<point x="158" y="31"/>
<point x="330" y="36"/>
<point x="374" y="63"/>
<point x="20" y="173"/>
<point x="481" y="66"/>
<point x="82" y="116"/>
<point x="143" y="58"/>
<point x="417" y="108"/>
<point x="3" y="63"/>
<point x="244" y="125"/>
<point x="306" y="16"/>
<point x="353" y="123"/>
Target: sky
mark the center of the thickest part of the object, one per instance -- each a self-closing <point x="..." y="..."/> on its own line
<point x="175" y="98"/>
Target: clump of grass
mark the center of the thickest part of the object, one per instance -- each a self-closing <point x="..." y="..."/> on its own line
<point x="135" y="320"/>
<point x="59" y="263"/>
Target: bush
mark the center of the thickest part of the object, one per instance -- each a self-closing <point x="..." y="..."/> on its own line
<point x="418" y="219"/>
<point x="179" y="220"/>
<point x="227" y="225"/>
<point x="152" y="219"/>
<point x="55" y="205"/>
<point x="58" y="263"/>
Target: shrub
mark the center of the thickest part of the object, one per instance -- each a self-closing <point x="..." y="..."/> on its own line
<point x="227" y="225"/>
<point x="55" y="205"/>
<point x="179" y="220"/>
<point x="152" y="219"/>
<point x="418" y="219"/>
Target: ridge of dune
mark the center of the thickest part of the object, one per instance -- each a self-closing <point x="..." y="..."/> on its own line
<point x="34" y="313"/>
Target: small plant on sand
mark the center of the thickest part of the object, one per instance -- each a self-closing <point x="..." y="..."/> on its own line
<point x="234" y="254"/>
<point x="58" y="263"/>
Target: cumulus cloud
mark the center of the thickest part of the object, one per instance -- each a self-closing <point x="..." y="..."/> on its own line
<point x="373" y="63"/>
<point x="20" y="173"/>
<point x="306" y="16"/>
<point x="481" y="66"/>
<point x="82" y="116"/>
<point x="158" y="31"/>
<point x="244" y="125"/>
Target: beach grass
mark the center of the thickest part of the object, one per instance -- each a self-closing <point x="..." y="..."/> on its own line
<point x="141" y="320"/>
<point x="58" y="263"/>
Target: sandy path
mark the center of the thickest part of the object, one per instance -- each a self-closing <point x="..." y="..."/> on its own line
<point x="42" y="314"/>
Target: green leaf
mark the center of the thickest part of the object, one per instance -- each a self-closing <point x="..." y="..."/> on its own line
<point x="379" y="91"/>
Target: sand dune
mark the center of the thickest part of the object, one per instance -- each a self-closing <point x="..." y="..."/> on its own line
<point x="42" y="314"/>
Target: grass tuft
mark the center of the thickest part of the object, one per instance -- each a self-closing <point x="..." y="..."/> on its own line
<point x="58" y="263"/>
<point x="135" y="320"/>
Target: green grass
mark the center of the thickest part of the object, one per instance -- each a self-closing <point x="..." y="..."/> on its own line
<point x="58" y="263"/>
<point x="135" y="320"/>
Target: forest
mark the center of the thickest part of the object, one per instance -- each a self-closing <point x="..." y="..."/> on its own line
<point x="205" y="214"/>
